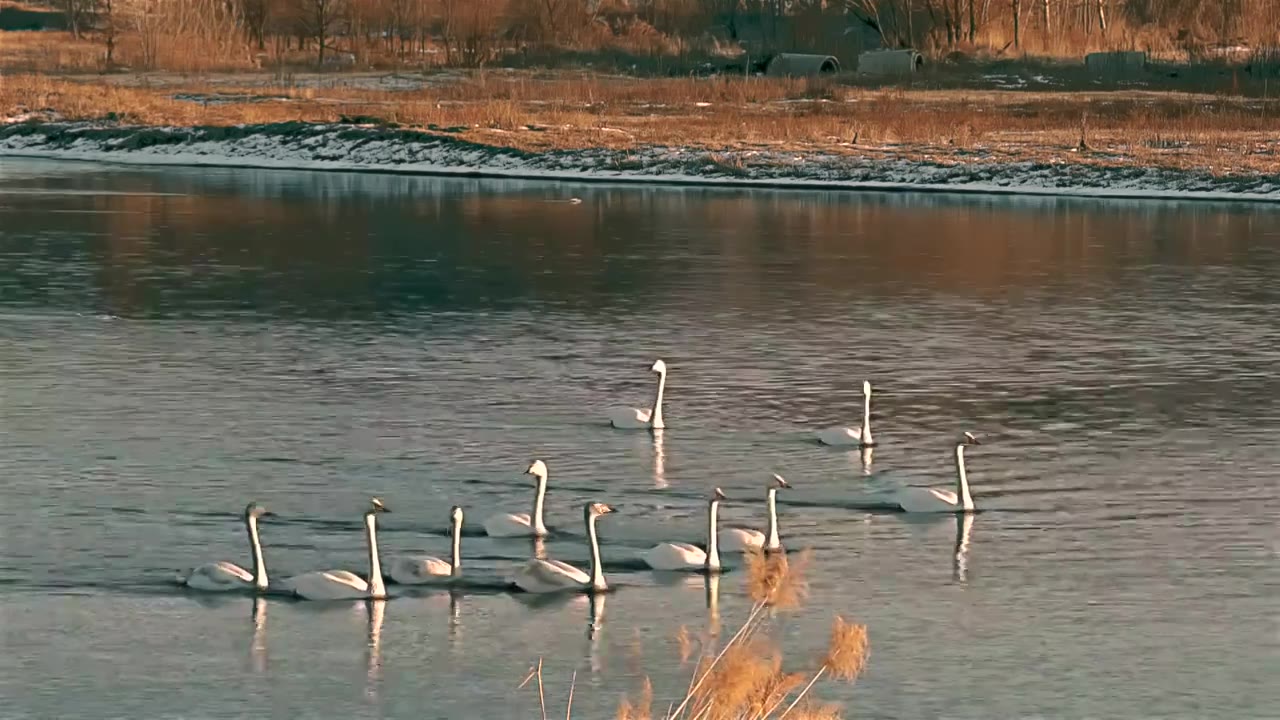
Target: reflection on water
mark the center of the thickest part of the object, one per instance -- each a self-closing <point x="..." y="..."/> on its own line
<point x="258" y="646"/>
<point x="659" y="461"/>
<point x="376" y="610"/>
<point x="864" y="457"/>
<point x="186" y="341"/>
<point x="712" y="584"/>
<point x="964" y="529"/>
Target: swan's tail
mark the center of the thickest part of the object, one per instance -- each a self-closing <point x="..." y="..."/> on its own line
<point x="180" y="577"/>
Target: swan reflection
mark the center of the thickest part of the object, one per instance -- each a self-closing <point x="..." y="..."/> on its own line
<point x="713" y="603"/>
<point x="960" y="566"/>
<point x="376" y="610"/>
<point x="865" y="455"/>
<point x="595" y="625"/>
<point x="455" y="622"/>
<point x="659" y="462"/>
<point x="258" y="647"/>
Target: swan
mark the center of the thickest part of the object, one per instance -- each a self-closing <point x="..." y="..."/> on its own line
<point x="419" y="569"/>
<point x="683" y="556"/>
<point x="850" y="436"/>
<point x="927" y="499"/>
<point x="343" y="584"/>
<point x="521" y="524"/>
<point x="742" y="539"/>
<point x="223" y="576"/>
<point x="548" y="576"/>
<point x="629" y="418"/>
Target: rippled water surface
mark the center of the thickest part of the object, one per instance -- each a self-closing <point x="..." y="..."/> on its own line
<point x="175" y="343"/>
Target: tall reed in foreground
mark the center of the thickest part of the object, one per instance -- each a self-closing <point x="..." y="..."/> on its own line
<point x="746" y="678"/>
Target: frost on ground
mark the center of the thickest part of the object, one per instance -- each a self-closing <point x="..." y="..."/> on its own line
<point x="351" y="147"/>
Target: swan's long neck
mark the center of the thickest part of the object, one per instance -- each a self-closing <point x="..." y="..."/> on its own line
<point x="962" y="481"/>
<point x="866" y="419"/>
<point x="538" y="527"/>
<point x="713" y="542"/>
<point x="773" y="543"/>
<point x="376" y="588"/>
<point x="597" y="572"/>
<point x="455" y="567"/>
<point x="655" y="420"/>
<point x="259" y="567"/>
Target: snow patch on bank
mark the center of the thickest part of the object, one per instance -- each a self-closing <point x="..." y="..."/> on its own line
<point x="373" y="149"/>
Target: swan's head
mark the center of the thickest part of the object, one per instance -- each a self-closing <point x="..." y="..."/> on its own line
<point x="779" y="482"/>
<point x="718" y="495"/>
<point x="969" y="439"/>
<point x="376" y="506"/>
<point x="598" y="509"/>
<point x="254" y="510"/>
<point x="455" y="514"/>
<point x="659" y="366"/>
<point x="537" y="469"/>
<point x="866" y="388"/>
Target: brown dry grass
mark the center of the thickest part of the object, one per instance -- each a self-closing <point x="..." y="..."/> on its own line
<point x="748" y="678"/>
<point x="543" y="111"/>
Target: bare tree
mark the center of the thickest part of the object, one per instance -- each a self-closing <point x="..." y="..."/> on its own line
<point x="254" y="14"/>
<point x="320" y="20"/>
<point x="79" y="14"/>
<point x="110" y="25"/>
<point x="1017" y="15"/>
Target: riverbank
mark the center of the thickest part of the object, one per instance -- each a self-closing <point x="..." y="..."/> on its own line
<point x="351" y="147"/>
<point x="742" y="131"/>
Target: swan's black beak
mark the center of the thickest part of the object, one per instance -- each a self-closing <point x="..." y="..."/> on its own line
<point x="269" y="514"/>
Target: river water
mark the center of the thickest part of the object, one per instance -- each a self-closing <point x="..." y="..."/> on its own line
<point x="175" y="343"/>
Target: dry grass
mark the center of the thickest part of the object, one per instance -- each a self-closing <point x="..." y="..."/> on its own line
<point x="545" y="111"/>
<point x="748" y="678"/>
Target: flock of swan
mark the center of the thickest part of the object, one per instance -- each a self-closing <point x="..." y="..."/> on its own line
<point x="542" y="575"/>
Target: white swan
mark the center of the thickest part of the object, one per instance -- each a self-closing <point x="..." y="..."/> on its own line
<point x="223" y="576"/>
<point x="629" y="418"/>
<point x="850" y="436"/>
<point x="343" y="584"/>
<point x="743" y="539"/>
<point x="935" y="500"/>
<point x="419" y="569"/>
<point x="547" y="576"/>
<point x="522" y="524"/>
<point x="683" y="556"/>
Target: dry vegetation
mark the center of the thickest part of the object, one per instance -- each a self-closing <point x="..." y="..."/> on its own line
<point x="992" y="90"/>
<point x="747" y="678"/>
<point x="543" y="111"/>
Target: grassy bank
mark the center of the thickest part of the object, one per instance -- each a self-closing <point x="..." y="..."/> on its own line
<point x="540" y="111"/>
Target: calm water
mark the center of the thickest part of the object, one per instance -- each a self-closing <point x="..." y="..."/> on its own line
<point x="174" y="343"/>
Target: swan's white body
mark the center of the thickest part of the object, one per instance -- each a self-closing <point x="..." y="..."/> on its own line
<point x="937" y="500"/>
<point x="344" y="584"/>
<point x="744" y="539"/>
<point x="420" y="569"/>
<point x="549" y="576"/>
<point x="683" y="556"/>
<point x="846" y="436"/>
<point x="224" y="576"/>
<point x="629" y="418"/>
<point x="523" y="524"/>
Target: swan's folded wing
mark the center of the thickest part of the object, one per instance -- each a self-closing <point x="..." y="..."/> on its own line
<point x="840" y="435"/>
<point x="945" y="496"/>
<point x="629" y="417"/>
<point x="550" y="573"/>
<point x="218" y="576"/>
<point x="674" y="556"/>
<point x="419" y="568"/>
